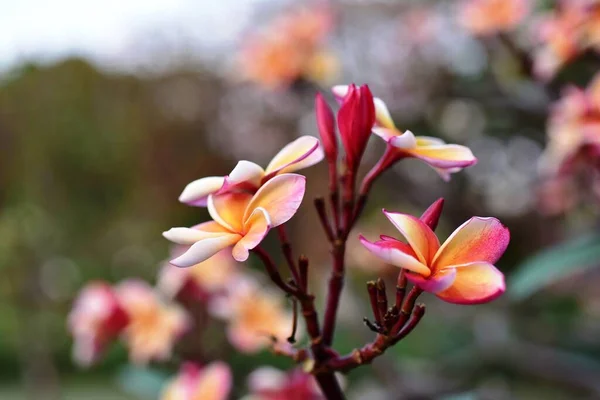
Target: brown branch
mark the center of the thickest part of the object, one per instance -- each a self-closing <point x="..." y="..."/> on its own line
<point x="303" y="271"/>
<point x="372" y="289"/>
<point x="273" y="271"/>
<point x="336" y="284"/>
<point x="400" y="289"/>
<point x="369" y="352"/>
<point x="322" y="212"/>
<point x="286" y="248"/>
<point x="292" y="337"/>
<point x="382" y="303"/>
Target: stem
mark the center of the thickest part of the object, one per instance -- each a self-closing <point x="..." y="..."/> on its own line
<point x="330" y="386"/>
<point x="286" y="248"/>
<point x="400" y="289"/>
<point x="407" y="309"/>
<point x="273" y="272"/>
<point x="336" y="284"/>
<point x="389" y="158"/>
<point x="322" y="212"/>
<point x="303" y="270"/>
<point x="382" y="303"/>
<point x="372" y="289"/>
<point x="292" y="338"/>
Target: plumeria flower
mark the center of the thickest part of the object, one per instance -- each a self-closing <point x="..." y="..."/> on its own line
<point x="485" y="17"/>
<point x="255" y="316"/>
<point x="249" y="177"/>
<point x="200" y="282"/>
<point x="97" y="318"/>
<point x="212" y="382"/>
<point x="574" y="128"/>
<point x="290" y="48"/>
<point x="268" y="383"/>
<point x="240" y="219"/>
<point x="154" y="326"/>
<point x="458" y="271"/>
<point x="444" y="158"/>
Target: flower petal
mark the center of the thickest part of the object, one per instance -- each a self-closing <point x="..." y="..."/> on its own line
<point x="475" y="283"/>
<point x="405" y="140"/>
<point x="204" y="249"/>
<point x="280" y="197"/>
<point x="429" y="141"/>
<point x="478" y="239"/>
<point x="431" y="216"/>
<point x="214" y="382"/>
<point x="257" y="227"/>
<point x="339" y="92"/>
<point x="397" y="254"/>
<point x="437" y="282"/>
<point x="382" y="114"/>
<point x="386" y="133"/>
<point x="445" y="156"/>
<point x="189" y="236"/>
<point x="246" y="175"/>
<point x="196" y="193"/>
<point x="301" y="153"/>
<point x="228" y="209"/>
<point x="420" y="237"/>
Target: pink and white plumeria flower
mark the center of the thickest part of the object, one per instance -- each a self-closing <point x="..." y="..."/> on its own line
<point x="247" y="176"/>
<point x="97" y="318"/>
<point x="153" y="326"/>
<point x="212" y="382"/>
<point x="444" y="158"/>
<point x="256" y="315"/>
<point x="460" y="270"/>
<point x="240" y="219"/>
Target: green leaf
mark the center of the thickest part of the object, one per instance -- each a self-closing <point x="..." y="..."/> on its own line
<point x="553" y="264"/>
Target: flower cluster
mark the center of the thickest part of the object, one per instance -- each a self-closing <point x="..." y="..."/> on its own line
<point x="244" y="206"/>
<point x="566" y="32"/>
<point x="574" y="129"/>
<point x="487" y="17"/>
<point x="131" y="310"/>
<point x="290" y="48"/>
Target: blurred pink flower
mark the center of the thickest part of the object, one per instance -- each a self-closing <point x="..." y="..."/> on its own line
<point x="574" y="129"/>
<point x="256" y="316"/>
<point x="96" y="319"/>
<point x="154" y="326"/>
<point x="290" y="48"/>
<point x="267" y="383"/>
<point x="487" y="17"/>
<point x="211" y="382"/>
<point x="240" y="219"/>
<point x="201" y="281"/>
<point x="460" y="270"/>
<point x="564" y="33"/>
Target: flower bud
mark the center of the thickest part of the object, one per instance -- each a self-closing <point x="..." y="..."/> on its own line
<point x="431" y="216"/>
<point x="355" y="121"/>
<point x="326" y="125"/>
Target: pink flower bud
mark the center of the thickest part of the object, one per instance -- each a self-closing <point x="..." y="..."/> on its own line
<point x="431" y="216"/>
<point x="326" y="125"/>
<point x="355" y="121"/>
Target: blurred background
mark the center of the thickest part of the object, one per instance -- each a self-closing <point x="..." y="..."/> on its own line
<point x="108" y="109"/>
